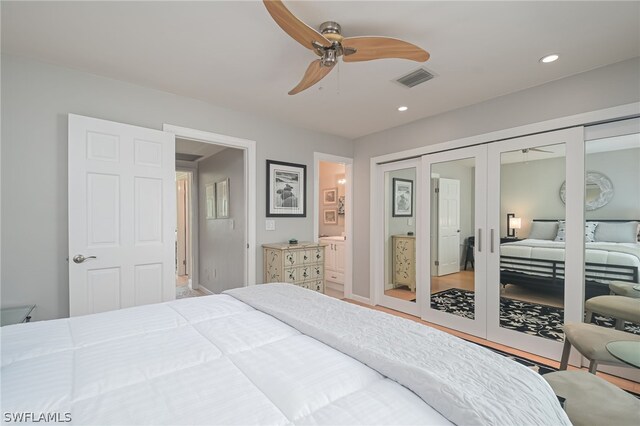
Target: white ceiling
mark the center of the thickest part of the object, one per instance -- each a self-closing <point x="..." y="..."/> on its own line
<point x="232" y="54"/>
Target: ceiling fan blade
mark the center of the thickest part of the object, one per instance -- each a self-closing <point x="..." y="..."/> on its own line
<point x="370" y="48"/>
<point x="298" y="30"/>
<point x="315" y="72"/>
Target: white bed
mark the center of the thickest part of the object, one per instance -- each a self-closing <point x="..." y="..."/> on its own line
<point x="267" y="354"/>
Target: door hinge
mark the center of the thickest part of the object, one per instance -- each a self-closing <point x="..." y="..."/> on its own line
<point x="247" y="245"/>
<point x="437" y="190"/>
<point x="437" y="263"/>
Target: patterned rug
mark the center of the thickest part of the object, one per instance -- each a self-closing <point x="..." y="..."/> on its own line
<point x="530" y="318"/>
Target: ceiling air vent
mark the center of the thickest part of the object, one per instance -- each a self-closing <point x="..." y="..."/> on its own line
<point x="187" y="157"/>
<point x="416" y="77"/>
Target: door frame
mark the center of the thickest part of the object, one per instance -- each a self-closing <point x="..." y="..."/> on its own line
<point x="348" y="218"/>
<point x="250" y="175"/>
<point x="192" y="168"/>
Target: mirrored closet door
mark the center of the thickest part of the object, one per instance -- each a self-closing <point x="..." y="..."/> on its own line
<point x="454" y="193"/>
<point x="398" y="184"/>
<point x="612" y="208"/>
<point x="536" y="234"/>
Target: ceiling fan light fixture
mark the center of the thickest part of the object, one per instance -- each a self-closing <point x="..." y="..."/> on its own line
<point x="549" y="58"/>
<point x="402" y="108"/>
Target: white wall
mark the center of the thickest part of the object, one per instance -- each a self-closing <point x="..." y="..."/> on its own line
<point x="35" y="101"/>
<point x="604" y="87"/>
<point x="328" y="178"/>
<point x="221" y="241"/>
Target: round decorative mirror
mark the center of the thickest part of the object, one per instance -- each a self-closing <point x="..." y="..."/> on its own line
<point x="598" y="191"/>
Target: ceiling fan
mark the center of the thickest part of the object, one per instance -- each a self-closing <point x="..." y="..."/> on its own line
<point x="329" y="45"/>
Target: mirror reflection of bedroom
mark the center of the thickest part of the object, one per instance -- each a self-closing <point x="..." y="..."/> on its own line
<point x="452" y="240"/>
<point x="400" y="229"/>
<point x="532" y="241"/>
<point x="612" y="210"/>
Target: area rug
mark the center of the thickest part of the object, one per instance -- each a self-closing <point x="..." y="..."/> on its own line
<point x="530" y="318"/>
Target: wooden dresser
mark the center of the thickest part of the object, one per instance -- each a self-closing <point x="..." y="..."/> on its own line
<point x="404" y="260"/>
<point x="301" y="264"/>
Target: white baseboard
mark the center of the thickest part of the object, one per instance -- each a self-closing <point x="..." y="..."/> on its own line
<point x="204" y="289"/>
<point x="360" y="299"/>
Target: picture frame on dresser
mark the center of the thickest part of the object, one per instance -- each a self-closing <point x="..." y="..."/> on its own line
<point x="286" y="189"/>
<point x="402" y="198"/>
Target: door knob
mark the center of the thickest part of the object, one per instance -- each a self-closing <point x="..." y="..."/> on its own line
<point x="78" y="258"/>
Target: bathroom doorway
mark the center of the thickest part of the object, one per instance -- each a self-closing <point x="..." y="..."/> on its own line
<point x="333" y="220"/>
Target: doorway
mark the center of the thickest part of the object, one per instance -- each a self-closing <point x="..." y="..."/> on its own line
<point x="333" y="220"/>
<point x="184" y="261"/>
<point x="210" y="218"/>
<point x="226" y="206"/>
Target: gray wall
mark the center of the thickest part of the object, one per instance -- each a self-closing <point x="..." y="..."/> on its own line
<point x="604" y="87"/>
<point x="36" y="99"/>
<point x="542" y="200"/>
<point x="221" y="241"/>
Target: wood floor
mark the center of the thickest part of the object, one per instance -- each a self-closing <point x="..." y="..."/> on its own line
<point x="622" y="383"/>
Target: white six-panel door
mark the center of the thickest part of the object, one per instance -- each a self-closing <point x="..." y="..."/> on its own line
<point x="448" y="226"/>
<point x="122" y="215"/>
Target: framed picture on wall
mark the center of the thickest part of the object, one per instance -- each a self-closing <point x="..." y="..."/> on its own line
<point x="222" y="199"/>
<point x="330" y="217"/>
<point x="402" y="197"/>
<point x="286" y="189"/>
<point x="330" y="196"/>
<point x="210" y="192"/>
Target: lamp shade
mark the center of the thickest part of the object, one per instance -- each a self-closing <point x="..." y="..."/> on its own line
<point x="515" y="222"/>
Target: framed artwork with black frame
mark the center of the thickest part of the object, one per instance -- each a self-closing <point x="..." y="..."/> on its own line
<point x="286" y="189"/>
<point x="402" y="198"/>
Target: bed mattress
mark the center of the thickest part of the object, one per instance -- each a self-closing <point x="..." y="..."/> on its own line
<point x="619" y="254"/>
<point x="206" y="360"/>
<point x="266" y="354"/>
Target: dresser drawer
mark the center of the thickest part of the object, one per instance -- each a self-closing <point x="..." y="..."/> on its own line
<point x="291" y="275"/>
<point x="305" y="273"/>
<point x="291" y="258"/>
<point x="317" y="285"/>
<point x="333" y="276"/>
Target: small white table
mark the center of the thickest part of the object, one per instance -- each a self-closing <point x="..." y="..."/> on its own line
<point x="17" y="315"/>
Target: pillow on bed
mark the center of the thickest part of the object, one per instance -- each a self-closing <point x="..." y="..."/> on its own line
<point x="617" y="232"/>
<point x="543" y="230"/>
<point x="589" y="231"/>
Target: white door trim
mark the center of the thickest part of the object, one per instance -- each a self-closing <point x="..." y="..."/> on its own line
<point x="192" y="168"/>
<point x="582" y="119"/>
<point x="250" y="175"/>
<point x="348" y="218"/>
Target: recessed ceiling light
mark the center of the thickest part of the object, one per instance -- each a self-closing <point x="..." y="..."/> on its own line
<point x="549" y="58"/>
<point x="403" y="108"/>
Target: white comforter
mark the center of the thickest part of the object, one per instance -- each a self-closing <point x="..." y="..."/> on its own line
<point x="217" y="360"/>
<point x="206" y="360"/>
<point x="465" y="382"/>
